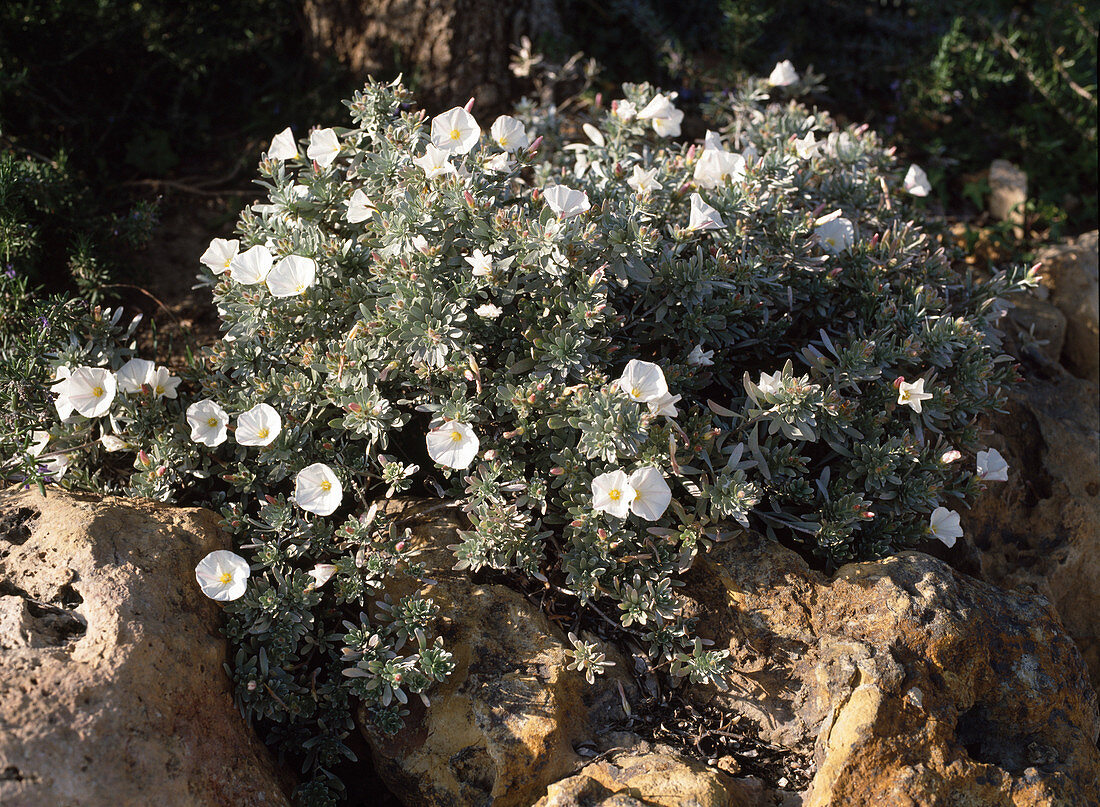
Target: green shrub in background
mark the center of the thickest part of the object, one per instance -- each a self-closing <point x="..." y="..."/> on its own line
<point x="611" y="355"/>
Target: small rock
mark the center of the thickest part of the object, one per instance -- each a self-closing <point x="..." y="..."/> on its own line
<point x="111" y="683"/>
<point x="1069" y="270"/>
<point x="1007" y="193"/>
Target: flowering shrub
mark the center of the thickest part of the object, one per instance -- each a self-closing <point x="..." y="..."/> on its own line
<point x="612" y="355"/>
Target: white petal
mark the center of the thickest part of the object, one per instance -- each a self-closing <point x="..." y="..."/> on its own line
<point x="318" y="490"/>
<point x="223" y="575"/>
<point x="612" y="493"/>
<point x="259" y="426"/>
<point x="652" y="493"/>
<point x="208" y="422"/>
<point x="324" y="146"/>
<point x="283" y="146"/>
<point x="453" y="445"/>
<point x="251" y="266"/>
<point x="291" y="276"/>
<point x="220" y="254"/>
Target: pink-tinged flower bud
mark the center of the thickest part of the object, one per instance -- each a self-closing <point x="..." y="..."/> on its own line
<point x="899" y="381"/>
<point x="271" y="500"/>
<point x="535" y="146"/>
<point x="490" y="455"/>
<point x="868" y="514"/>
<point x="354" y="407"/>
<point x="691" y="152"/>
<point x="577" y="523"/>
<point x="161" y="470"/>
<point x="602" y="533"/>
<point x="251" y="686"/>
<point x="540" y="386"/>
<point x="143" y="458"/>
<point x="469" y="198"/>
<point x="400" y="546"/>
<point x="599" y="100"/>
<point x="948" y="457"/>
<point x="469" y="105"/>
<point x="557" y="471"/>
<point x="874" y="240"/>
<point x="468" y="375"/>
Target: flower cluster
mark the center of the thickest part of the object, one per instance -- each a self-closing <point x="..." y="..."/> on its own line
<point x="611" y="355"/>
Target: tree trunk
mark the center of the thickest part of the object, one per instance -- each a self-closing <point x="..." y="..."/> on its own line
<point x="448" y="50"/>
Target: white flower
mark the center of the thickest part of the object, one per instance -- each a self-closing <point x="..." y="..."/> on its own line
<point x="482" y="264"/>
<point x="703" y="216"/>
<point x="643" y="381"/>
<point x="283" y="146"/>
<point x="714" y="168"/>
<point x="317" y="490"/>
<point x="488" y="310"/>
<point x="291" y="276"/>
<point x="453" y="445"/>
<point x="807" y="147"/>
<point x="509" y="134"/>
<point x="643" y="181"/>
<point x="56" y="465"/>
<point x="455" y="131"/>
<point x="112" y="443"/>
<point x="259" y="426"/>
<point x="665" y="405"/>
<point x="834" y="233"/>
<point x="912" y="394"/>
<point x="360" y="207"/>
<point x="60" y="388"/>
<point x="321" y="573"/>
<point x="625" y="110"/>
<point x="251" y="266"/>
<point x="944" y="524"/>
<point x="208" y="422"/>
<point x="324" y="147"/>
<point x="992" y="467"/>
<point x="950" y="456"/>
<point x="566" y="202"/>
<point x="223" y="575"/>
<point x="700" y="357"/>
<point x="612" y="493"/>
<point x="90" y="390"/>
<point x="783" y="74"/>
<point x="663" y="115"/>
<point x="134" y="373"/>
<point x="220" y="254"/>
<point x="916" y="181"/>
<point x="499" y="163"/>
<point x="163" y="383"/>
<point x="40" y="439"/>
<point x="651" y="493"/>
<point x="435" y="162"/>
<point x="771" y="384"/>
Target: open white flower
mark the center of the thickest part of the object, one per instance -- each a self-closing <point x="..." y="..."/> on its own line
<point x="703" y="216"/>
<point x="90" y="390"/>
<point x="944" y="524"/>
<point x="220" y="254"/>
<point x="771" y="384"/>
<point x="259" y="426"/>
<point x="566" y="202"/>
<point x="665" y="405"/>
<point x="916" y="181"/>
<point x="291" y="276"/>
<point x="283" y="146"/>
<point x="488" y="310"/>
<point x="360" y="207"/>
<point x="992" y="467"/>
<point x="834" y="232"/>
<point x="317" y="490"/>
<point x="60" y="387"/>
<point x="455" y="131"/>
<point x="453" y="445"/>
<point x="251" y="266"/>
<point x="625" y="110"/>
<point x="643" y="181"/>
<point x="651" y="493"/>
<point x="324" y="147"/>
<point x="112" y="442"/>
<point x="911" y="395"/>
<point x="509" y="134"/>
<point x="806" y="147"/>
<point x="482" y="264"/>
<point x="699" y="357"/>
<point x="163" y="383"/>
<point x="134" y="373"/>
<point x="223" y="575"/>
<point x="643" y="381"/>
<point x="664" y="117"/>
<point x="612" y="493"/>
<point x="321" y="573"/>
<point x="783" y="74"/>
<point x="39" y="440"/>
<point x="208" y="423"/>
<point x="56" y="465"/>
<point x="716" y="166"/>
<point x="435" y="162"/>
<point x="499" y="163"/>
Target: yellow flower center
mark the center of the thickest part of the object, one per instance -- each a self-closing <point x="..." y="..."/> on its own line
<point x="326" y="486"/>
<point x="503" y="142"/>
<point x="159" y="390"/>
<point x="455" y="134"/>
<point x="227" y="262"/>
<point x="456" y="437"/>
<point x="212" y="422"/>
<point x="831" y="242"/>
<point x="635" y="392"/>
<point x="905" y="396"/>
<point x="263" y="433"/>
<point x="225" y="578"/>
<point x="98" y="392"/>
<point x="614" y="494"/>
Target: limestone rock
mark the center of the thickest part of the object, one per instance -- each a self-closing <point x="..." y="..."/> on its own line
<point x="1069" y="271"/>
<point x="640" y="777"/>
<point x="1040" y="530"/>
<point x="1007" y="192"/>
<point x="503" y="725"/>
<point x="918" y="685"/>
<point x="111" y="687"/>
